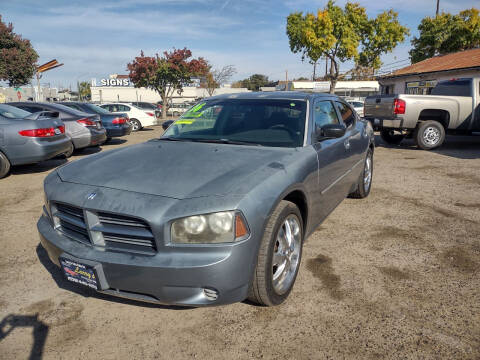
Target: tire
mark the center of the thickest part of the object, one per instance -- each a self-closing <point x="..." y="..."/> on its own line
<point x="108" y="139"/>
<point x="4" y="165"/>
<point x="70" y="151"/>
<point x="364" y="183"/>
<point x="264" y="288"/>
<point x="136" y="125"/>
<point x="429" y="135"/>
<point x="389" y="137"/>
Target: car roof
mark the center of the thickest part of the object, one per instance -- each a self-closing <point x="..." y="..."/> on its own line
<point x="56" y="106"/>
<point x="279" y="95"/>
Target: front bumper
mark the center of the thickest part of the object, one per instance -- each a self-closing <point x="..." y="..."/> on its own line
<point x="174" y="278"/>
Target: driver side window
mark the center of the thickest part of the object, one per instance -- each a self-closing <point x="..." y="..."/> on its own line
<point x="347" y="113"/>
<point x="324" y="113"/>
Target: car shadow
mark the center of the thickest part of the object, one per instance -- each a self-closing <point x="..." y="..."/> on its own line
<point x="63" y="283"/>
<point x="40" y="331"/>
<point x="115" y="141"/>
<point x="460" y="147"/>
<point x="88" y="150"/>
<point x="38" y="167"/>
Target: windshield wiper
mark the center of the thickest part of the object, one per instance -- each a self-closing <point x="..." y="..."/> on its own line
<point x="167" y="138"/>
<point x="227" y="141"/>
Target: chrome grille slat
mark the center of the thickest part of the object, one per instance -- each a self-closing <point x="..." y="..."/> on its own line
<point x="126" y="230"/>
<point x="72" y="222"/>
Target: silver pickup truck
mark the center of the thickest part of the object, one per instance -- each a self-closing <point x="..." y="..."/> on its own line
<point x="453" y="107"/>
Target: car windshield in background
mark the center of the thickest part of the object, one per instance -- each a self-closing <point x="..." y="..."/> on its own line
<point x="11" y="112"/>
<point x="460" y="87"/>
<point x="266" y="122"/>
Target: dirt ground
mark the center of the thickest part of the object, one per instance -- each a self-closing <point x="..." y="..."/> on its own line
<point x="394" y="276"/>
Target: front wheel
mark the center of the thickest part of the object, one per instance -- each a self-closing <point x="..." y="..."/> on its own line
<point x="429" y="135"/>
<point x="278" y="257"/>
<point x="4" y="165"/>
<point x="390" y="137"/>
<point x="364" y="183"/>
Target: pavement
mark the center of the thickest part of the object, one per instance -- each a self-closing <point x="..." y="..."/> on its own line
<point x="393" y="276"/>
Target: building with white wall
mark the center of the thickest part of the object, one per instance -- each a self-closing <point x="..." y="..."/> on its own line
<point x="421" y="77"/>
<point x="342" y="88"/>
<point x="118" y="88"/>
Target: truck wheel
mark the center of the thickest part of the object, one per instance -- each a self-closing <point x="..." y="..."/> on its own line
<point x="390" y="137"/>
<point x="429" y="135"/>
<point x="278" y="257"/>
<point x="364" y="183"/>
<point x="4" y="165"/>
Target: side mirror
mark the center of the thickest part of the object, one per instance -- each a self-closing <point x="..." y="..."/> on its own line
<point x="331" y="131"/>
<point x="166" y="124"/>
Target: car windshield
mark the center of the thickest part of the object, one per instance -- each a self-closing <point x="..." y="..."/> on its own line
<point x="96" y="109"/>
<point x="11" y="112"/>
<point x="266" y="122"/>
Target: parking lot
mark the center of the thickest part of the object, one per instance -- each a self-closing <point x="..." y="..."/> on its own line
<point x="396" y="275"/>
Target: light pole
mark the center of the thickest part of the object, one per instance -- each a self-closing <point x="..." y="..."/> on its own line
<point x="438" y="6"/>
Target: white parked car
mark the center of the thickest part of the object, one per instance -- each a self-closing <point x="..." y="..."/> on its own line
<point x="139" y="118"/>
<point x="178" y="109"/>
<point x="357" y="105"/>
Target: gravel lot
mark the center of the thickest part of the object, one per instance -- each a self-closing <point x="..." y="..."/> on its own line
<point x="396" y="276"/>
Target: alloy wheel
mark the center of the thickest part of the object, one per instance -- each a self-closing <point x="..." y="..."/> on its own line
<point x="286" y="254"/>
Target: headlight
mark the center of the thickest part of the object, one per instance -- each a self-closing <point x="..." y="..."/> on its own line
<point x="220" y="227"/>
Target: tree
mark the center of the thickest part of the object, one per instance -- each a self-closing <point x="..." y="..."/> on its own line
<point x="338" y="33"/>
<point x="217" y="77"/>
<point x="254" y="82"/>
<point x="17" y="57"/>
<point x="380" y="35"/>
<point x="446" y="33"/>
<point x="166" y="74"/>
<point x="84" y="91"/>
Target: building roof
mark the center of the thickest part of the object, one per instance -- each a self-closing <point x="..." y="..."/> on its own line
<point x="460" y="60"/>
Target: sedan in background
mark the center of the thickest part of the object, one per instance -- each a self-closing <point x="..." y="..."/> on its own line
<point x="178" y="109"/>
<point x="215" y="210"/>
<point x="357" y="106"/>
<point x="83" y="129"/>
<point x="138" y="118"/>
<point x="29" y="138"/>
<point x="116" y="125"/>
<point x="156" y="108"/>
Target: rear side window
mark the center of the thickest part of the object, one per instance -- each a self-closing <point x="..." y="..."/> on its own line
<point x="348" y="116"/>
<point x="324" y="113"/>
<point x="32" y="109"/>
<point x="459" y="87"/>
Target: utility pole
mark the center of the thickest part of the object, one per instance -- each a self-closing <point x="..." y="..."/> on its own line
<point x="286" y="79"/>
<point x="438" y="6"/>
<point x="326" y="67"/>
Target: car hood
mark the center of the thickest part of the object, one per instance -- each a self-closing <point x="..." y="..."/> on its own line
<point x="179" y="170"/>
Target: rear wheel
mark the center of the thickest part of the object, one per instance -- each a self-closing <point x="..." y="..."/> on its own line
<point x="389" y="136"/>
<point x="364" y="183"/>
<point x="136" y="125"/>
<point x="4" y="165"/>
<point x="429" y="135"/>
<point x="69" y="152"/>
<point x="278" y="257"/>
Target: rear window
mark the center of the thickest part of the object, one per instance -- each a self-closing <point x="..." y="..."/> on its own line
<point x="66" y="109"/>
<point x="460" y="87"/>
<point x="11" y="112"/>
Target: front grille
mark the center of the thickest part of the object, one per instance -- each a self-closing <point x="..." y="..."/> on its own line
<point x="124" y="231"/>
<point x="71" y="222"/>
<point x="119" y="232"/>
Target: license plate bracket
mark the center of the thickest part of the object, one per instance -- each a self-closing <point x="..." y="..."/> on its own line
<point x="79" y="273"/>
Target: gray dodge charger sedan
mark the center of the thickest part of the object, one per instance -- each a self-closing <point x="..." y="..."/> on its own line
<point x="217" y="209"/>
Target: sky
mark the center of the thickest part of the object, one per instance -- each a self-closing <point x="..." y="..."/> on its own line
<point x="97" y="38"/>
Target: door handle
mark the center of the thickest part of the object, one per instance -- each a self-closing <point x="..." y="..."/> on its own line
<point x="346" y="143"/>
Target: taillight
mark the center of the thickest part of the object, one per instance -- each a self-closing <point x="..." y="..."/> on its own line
<point x="62" y="129"/>
<point x="86" y="122"/>
<point x="150" y="114"/>
<point x="45" y="132"/>
<point x="399" y="106"/>
<point x="119" y="120"/>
